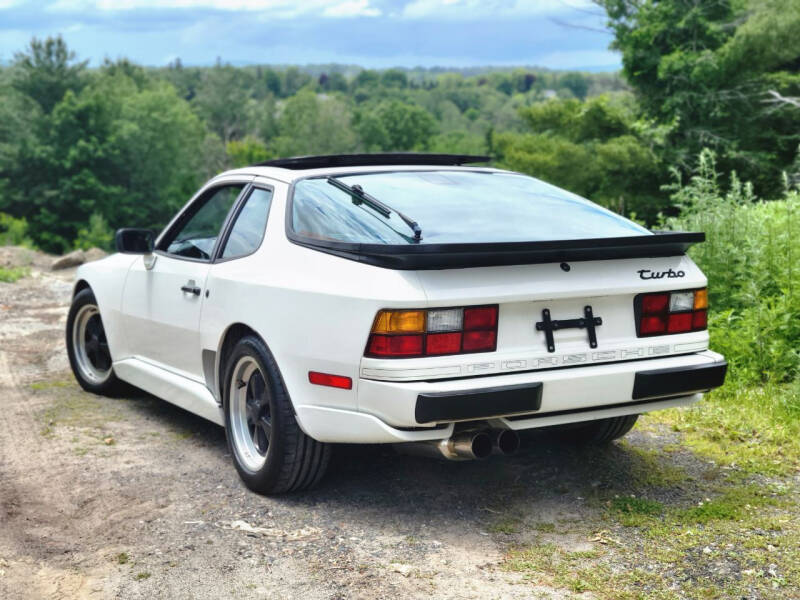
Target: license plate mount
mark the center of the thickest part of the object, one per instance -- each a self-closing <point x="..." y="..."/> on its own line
<point x="588" y="322"/>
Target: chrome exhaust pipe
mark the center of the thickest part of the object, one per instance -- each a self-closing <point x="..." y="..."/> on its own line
<point x="465" y="445"/>
<point x="505" y="441"/>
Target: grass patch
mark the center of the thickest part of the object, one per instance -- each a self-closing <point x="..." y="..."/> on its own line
<point x="633" y="511"/>
<point x="753" y="429"/>
<point x="582" y="571"/>
<point x="13" y="274"/>
<point x="70" y="406"/>
<point x="142" y="576"/>
<point x="734" y="503"/>
<point x="49" y="385"/>
<point x="122" y="558"/>
<point x="507" y="525"/>
<point x="649" y="467"/>
<point x="711" y="511"/>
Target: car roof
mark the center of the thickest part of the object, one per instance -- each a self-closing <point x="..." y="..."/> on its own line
<point x="292" y="169"/>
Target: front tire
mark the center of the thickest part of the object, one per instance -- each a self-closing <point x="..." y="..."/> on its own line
<point x="87" y="347"/>
<point x="596" y="433"/>
<point x="269" y="450"/>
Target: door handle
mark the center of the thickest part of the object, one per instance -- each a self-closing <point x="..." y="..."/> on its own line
<point x="191" y="289"/>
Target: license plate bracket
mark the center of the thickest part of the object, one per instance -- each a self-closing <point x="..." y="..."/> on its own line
<point x="549" y="325"/>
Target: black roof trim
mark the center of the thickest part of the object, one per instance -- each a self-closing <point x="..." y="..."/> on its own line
<point x="373" y="160"/>
<point x="462" y="256"/>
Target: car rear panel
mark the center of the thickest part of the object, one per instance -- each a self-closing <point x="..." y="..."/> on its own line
<point x="525" y="294"/>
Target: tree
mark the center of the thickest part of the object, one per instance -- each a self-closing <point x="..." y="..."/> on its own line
<point x="224" y="103"/>
<point x="392" y="125"/>
<point x="128" y="155"/>
<point x="704" y="69"/>
<point x="394" y="78"/>
<point x="577" y="83"/>
<point x="248" y="151"/>
<point x="46" y="71"/>
<point x="293" y="81"/>
<point x="595" y="149"/>
<point x="312" y="124"/>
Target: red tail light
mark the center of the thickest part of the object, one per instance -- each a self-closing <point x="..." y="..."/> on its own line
<point x="433" y="332"/>
<point x="671" y="312"/>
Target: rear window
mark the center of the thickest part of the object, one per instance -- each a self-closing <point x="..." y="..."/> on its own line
<point x="451" y="207"/>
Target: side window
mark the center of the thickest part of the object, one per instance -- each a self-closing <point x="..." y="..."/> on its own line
<point x="251" y="222"/>
<point x="196" y="236"/>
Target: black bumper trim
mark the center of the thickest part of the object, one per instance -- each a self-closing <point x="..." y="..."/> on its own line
<point x="679" y="380"/>
<point x="478" y="404"/>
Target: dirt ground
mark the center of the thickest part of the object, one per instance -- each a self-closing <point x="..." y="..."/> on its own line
<point x="135" y="498"/>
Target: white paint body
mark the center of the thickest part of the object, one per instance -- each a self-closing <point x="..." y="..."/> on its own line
<point x="315" y="310"/>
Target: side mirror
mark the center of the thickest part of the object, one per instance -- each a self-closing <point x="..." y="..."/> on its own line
<point x="134" y="241"/>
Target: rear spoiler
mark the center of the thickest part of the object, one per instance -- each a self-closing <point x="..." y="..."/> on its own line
<point x="461" y="256"/>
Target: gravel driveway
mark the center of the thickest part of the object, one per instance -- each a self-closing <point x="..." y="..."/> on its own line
<point x="135" y="498"/>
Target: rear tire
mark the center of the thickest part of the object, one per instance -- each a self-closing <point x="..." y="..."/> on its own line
<point x="596" y="433"/>
<point x="269" y="450"/>
<point x="87" y="347"/>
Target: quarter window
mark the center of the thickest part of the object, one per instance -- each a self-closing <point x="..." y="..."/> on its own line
<point x="251" y="222"/>
<point x="197" y="236"/>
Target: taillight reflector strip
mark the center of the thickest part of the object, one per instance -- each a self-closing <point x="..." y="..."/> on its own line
<point x="433" y="332"/>
<point x="336" y="381"/>
<point x="666" y="313"/>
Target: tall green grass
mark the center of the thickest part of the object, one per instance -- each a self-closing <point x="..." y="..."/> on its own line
<point x="751" y="260"/>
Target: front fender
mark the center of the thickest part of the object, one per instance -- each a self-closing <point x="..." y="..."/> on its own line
<point x="106" y="279"/>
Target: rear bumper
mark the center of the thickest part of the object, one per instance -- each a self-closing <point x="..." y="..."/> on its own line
<point x="423" y="410"/>
<point x="679" y="380"/>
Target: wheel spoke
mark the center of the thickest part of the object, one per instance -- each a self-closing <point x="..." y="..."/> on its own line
<point x="259" y="387"/>
<point x="252" y="413"/>
<point x="102" y="359"/>
<point x="265" y="424"/>
<point x="93" y="327"/>
<point x="92" y="346"/>
<point x="261" y="440"/>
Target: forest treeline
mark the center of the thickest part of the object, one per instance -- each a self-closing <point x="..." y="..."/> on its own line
<point x="86" y="150"/>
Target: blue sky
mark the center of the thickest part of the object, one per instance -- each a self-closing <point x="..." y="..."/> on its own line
<point x="558" y="34"/>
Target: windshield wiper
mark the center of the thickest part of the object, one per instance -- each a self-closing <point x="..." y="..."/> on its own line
<point x="359" y="196"/>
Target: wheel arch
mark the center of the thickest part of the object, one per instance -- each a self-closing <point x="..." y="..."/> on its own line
<point x="80" y="285"/>
<point x="233" y="333"/>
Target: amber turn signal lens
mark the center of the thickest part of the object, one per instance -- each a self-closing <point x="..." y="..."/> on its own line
<point x="701" y="299"/>
<point x="399" y="321"/>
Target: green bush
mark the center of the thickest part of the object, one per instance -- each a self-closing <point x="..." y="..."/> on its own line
<point x="750" y="258"/>
<point x="97" y="235"/>
<point x="12" y="274"/>
<point x="13" y="232"/>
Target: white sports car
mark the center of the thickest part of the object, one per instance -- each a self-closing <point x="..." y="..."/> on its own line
<point x="403" y="299"/>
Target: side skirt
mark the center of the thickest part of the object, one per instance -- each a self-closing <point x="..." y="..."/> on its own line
<point x="180" y="391"/>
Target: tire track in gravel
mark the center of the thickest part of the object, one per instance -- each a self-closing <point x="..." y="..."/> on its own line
<point x="37" y="500"/>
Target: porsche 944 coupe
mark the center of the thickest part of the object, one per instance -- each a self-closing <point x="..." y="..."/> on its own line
<point x="415" y="300"/>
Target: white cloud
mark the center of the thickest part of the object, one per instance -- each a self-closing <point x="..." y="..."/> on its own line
<point x="278" y="9"/>
<point x="351" y="8"/>
<point x="495" y="8"/>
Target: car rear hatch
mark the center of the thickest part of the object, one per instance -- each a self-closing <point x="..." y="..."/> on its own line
<point x="555" y="315"/>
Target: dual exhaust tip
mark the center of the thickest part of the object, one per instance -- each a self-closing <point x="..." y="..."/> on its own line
<point x="467" y="445"/>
